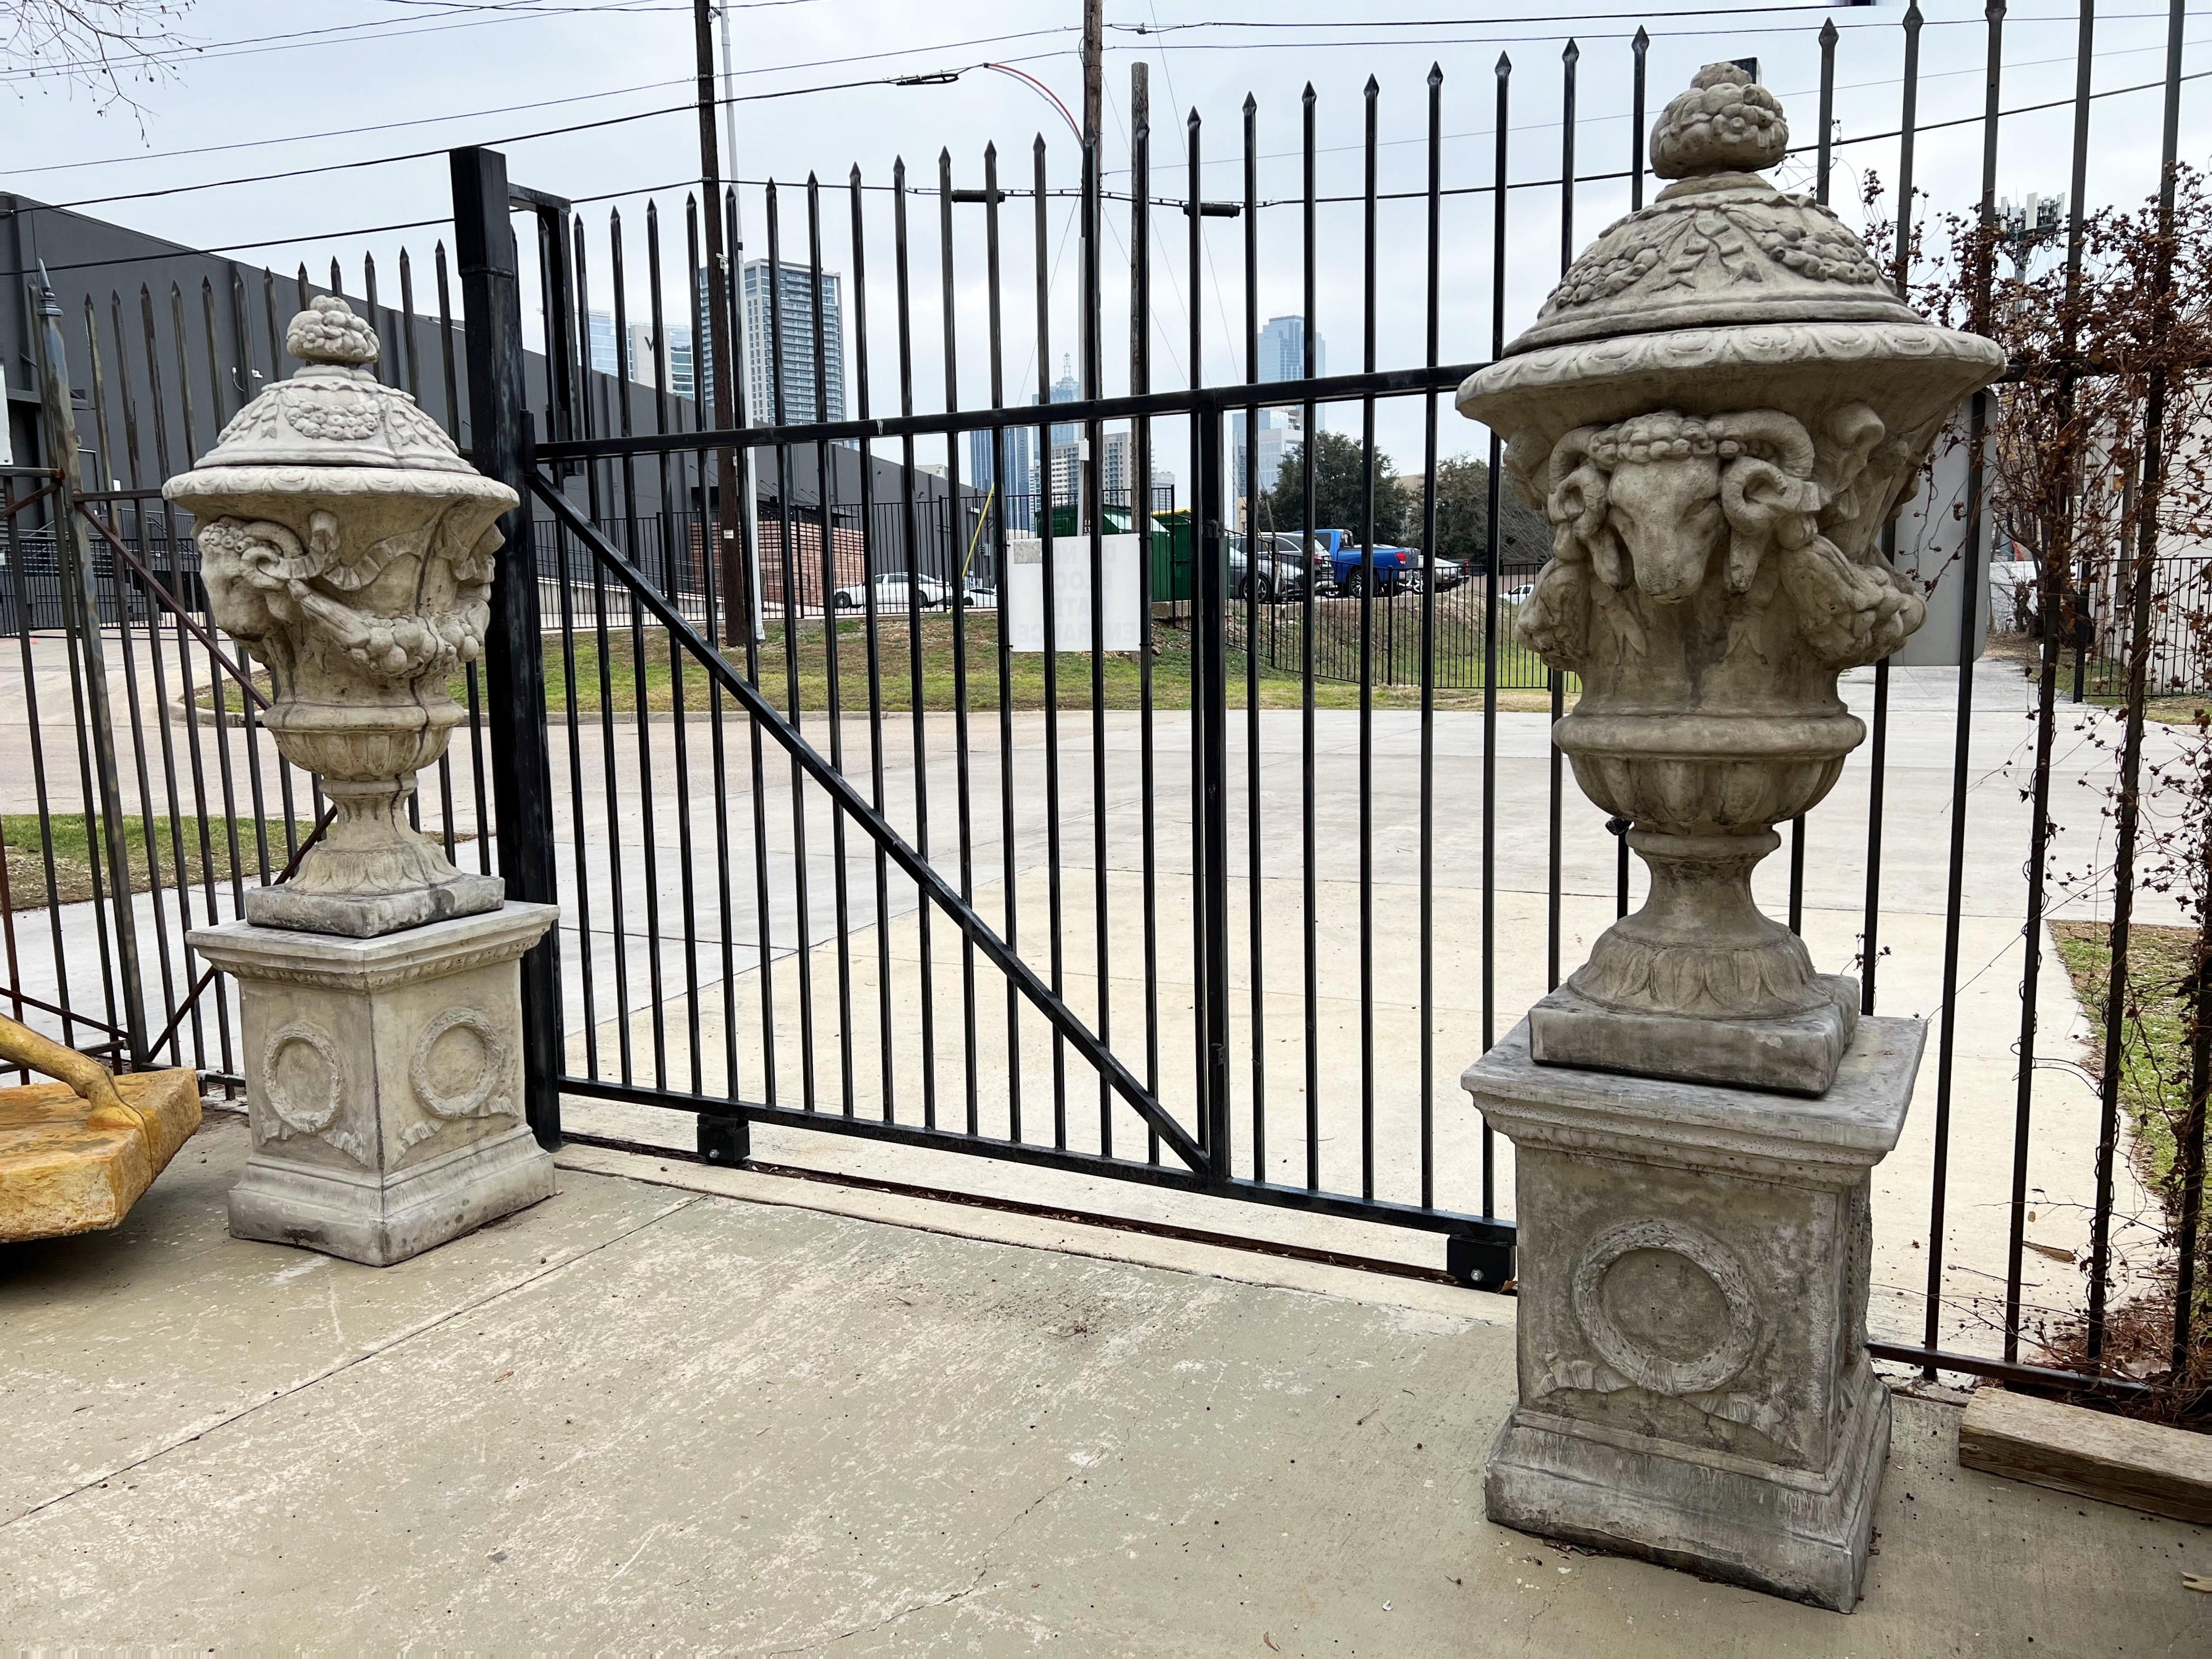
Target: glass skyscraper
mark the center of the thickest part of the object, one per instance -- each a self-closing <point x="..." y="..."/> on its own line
<point x="791" y="351"/>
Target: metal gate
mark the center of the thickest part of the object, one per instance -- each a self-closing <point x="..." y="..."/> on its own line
<point x="1221" y="913"/>
<point x="978" y="1044"/>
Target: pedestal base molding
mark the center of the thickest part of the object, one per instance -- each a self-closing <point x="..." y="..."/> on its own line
<point x="381" y="1220"/>
<point x="1697" y="1510"/>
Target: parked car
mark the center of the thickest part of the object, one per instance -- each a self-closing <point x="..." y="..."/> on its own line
<point x="1517" y="595"/>
<point x="1290" y="557"/>
<point x="1247" y="572"/>
<point x="1450" y="574"/>
<point x="891" y="593"/>
<point x="982" y="596"/>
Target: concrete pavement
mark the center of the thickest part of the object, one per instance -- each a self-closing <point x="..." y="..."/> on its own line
<point x="642" y="1418"/>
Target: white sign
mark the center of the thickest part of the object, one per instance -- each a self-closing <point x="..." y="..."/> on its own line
<point x="1023" y="593"/>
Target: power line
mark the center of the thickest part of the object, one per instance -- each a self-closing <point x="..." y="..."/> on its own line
<point x="1428" y="42"/>
<point x="181" y="250"/>
<point x="355" y="132"/>
<point x="578" y="126"/>
<point x="1237" y="159"/>
<point x="510" y="109"/>
<point x="345" y="33"/>
<point x="1795" y="149"/>
<point x="1157" y="27"/>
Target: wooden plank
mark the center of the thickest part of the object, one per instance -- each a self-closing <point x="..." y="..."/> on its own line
<point x="2145" y="1466"/>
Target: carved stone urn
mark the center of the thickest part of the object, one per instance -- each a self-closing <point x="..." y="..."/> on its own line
<point x="344" y="539"/>
<point x="1718" y="409"/>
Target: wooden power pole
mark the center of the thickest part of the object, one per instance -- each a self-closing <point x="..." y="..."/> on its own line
<point x="1094" y="70"/>
<point x="729" y="516"/>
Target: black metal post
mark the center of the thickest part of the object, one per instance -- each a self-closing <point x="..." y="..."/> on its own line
<point x="1211" y="647"/>
<point x="515" y="661"/>
<point x="81" y="606"/>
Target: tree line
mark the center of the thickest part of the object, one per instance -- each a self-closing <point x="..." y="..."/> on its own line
<point x="1462" y="492"/>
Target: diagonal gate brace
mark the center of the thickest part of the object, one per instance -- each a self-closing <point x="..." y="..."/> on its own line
<point x="856" y="805"/>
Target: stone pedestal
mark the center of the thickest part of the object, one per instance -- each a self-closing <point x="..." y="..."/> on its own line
<point x="384" y="1079"/>
<point x="1694" y="1385"/>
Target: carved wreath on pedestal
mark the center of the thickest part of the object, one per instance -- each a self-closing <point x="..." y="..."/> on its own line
<point x="486" y="1095"/>
<point x="1701" y="1379"/>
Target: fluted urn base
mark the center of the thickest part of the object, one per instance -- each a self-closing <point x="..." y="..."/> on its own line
<point x="1699" y="984"/>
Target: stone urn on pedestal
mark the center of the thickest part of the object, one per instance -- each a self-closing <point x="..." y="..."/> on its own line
<point x="344" y="540"/>
<point x="1717" y="409"/>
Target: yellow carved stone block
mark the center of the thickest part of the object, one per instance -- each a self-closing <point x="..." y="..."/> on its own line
<point x="60" y="1172"/>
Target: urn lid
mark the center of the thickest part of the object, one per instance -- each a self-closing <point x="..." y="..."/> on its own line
<point x="334" y="411"/>
<point x="1720" y="246"/>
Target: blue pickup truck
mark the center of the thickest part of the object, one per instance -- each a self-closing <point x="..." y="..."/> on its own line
<point x="1347" y="566"/>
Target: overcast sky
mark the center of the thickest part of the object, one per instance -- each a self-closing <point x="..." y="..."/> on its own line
<point x="486" y="70"/>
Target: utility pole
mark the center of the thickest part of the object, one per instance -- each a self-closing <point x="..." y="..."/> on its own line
<point x="729" y="518"/>
<point x="1094" y="112"/>
<point x="1094" y="70"/>
<point x="741" y="352"/>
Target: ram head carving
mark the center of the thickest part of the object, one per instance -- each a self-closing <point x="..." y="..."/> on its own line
<point x="1652" y="503"/>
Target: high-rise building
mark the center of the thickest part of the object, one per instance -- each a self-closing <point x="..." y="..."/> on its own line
<point x="681" y="382"/>
<point x="1283" y="350"/>
<point x="789" y="346"/>
<point x="1066" y="437"/>
<point x="1275" y="431"/>
<point x="1117" y="468"/>
<point x="601" y="328"/>
<point x="1018" y="444"/>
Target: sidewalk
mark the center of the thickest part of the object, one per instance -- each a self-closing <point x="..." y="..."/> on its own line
<point x="641" y="1417"/>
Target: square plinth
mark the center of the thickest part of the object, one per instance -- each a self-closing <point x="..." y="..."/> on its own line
<point x="384" y="1079"/>
<point x="1798" y="1054"/>
<point x="369" y="916"/>
<point x="1692" y="1264"/>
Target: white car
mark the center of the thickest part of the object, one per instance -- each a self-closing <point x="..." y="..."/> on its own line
<point x="1517" y="595"/>
<point x="891" y="596"/>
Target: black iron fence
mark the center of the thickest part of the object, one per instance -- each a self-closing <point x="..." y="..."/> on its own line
<point x="1214" y="889"/>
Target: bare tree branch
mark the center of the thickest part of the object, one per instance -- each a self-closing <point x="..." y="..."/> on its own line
<point x="105" y="47"/>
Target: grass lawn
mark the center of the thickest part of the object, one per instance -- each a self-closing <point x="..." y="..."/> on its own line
<point x="2154" y="1069"/>
<point x="74" y="855"/>
<point x="618" y="686"/>
<point x="2104" y="681"/>
<point x="2154" y="1099"/>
